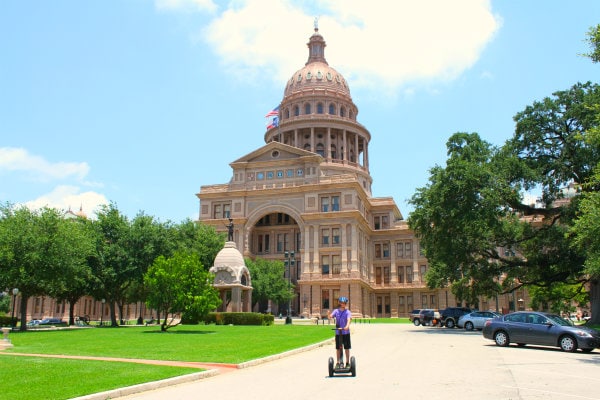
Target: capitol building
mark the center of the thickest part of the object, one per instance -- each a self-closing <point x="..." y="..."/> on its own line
<point x="306" y="196"/>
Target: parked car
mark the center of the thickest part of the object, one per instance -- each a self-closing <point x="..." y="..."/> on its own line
<point x="51" y="321"/>
<point x="430" y="316"/>
<point x="538" y="328"/>
<point x="451" y="315"/>
<point x="414" y="317"/>
<point x="475" y="320"/>
<point x="34" y="322"/>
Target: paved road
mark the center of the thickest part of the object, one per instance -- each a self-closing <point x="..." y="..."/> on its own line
<point x="403" y="361"/>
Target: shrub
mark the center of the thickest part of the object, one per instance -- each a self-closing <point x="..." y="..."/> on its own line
<point x="239" y="318"/>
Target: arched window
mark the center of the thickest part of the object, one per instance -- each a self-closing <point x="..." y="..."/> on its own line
<point x="307" y="109"/>
<point x="287" y="113"/>
<point x="321" y="150"/>
<point x="331" y="109"/>
<point x="296" y="111"/>
<point x="307" y="146"/>
<point x="333" y="152"/>
<point x="319" y="108"/>
<point x="342" y="112"/>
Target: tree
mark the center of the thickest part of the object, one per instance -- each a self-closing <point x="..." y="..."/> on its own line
<point x="180" y="284"/>
<point x="73" y="279"/>
<point x="475" y="225"/>
<point x="199" y="238"/>
<point x="593" y="38"/>
<point x="268" y="281"/>
<point x="36" y="247"/>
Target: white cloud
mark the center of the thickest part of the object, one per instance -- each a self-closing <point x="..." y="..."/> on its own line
<point x="17" y="159"/>
<point x="374" y="44"/>
<point x="69" y="197"/>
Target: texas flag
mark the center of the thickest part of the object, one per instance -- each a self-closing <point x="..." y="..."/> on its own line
<point x="273" y="123"/>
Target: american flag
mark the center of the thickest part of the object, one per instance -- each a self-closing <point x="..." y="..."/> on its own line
<point x="273" y="113"/>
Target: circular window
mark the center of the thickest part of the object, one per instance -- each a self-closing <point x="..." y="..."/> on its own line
<point x="275" y="153"/>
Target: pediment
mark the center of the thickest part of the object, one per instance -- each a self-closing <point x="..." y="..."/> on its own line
<point x="274" y="152"/>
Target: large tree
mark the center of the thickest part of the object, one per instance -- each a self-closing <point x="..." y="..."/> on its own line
<point x="268" y="281"/>
<point x="38" y="249"/>
<point x="474" y="222"/>
<point x="180" y="285"/>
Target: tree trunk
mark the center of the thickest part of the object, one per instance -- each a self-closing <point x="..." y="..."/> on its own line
<point x="23" y="312"/>
<point x="595" y="300"/>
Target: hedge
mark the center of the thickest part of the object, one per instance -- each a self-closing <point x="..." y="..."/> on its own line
<point x="239" y="318"/>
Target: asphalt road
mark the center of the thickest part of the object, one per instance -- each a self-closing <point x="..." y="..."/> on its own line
<point x="403" y="361"/>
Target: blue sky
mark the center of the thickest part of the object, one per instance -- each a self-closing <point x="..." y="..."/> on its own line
<point x="141" y="102"/>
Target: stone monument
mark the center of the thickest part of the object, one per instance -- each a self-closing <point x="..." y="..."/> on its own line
<point x="232" y="280"/>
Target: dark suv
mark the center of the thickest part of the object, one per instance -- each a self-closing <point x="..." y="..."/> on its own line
<point x="451" y="314"/>
<point x="414" y="317"/>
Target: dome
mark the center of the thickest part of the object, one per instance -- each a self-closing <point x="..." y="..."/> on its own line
<point x="229" y="256"/>
<point x="316" y="74"/>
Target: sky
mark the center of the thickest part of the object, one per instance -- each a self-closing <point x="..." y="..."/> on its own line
<point x="142" y="102"/>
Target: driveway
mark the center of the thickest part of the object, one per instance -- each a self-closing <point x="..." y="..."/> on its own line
<point x="404" y="361"/>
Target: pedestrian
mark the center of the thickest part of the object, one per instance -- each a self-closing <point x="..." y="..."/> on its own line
<point x="343" y="317"/>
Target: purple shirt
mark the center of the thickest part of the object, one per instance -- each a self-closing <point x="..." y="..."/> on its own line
<point x="341" y="319"/>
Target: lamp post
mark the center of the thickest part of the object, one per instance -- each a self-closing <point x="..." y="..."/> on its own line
<point x="520" y="301"/>
<point x="15" y="292"/>
<point x="290" y="260"/>
<point x="102" y="311"/>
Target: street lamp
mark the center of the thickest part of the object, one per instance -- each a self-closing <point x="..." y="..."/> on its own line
<point x="15" y="292"/>
<point x="290" y="260"/>
<point x="102" y="311"/>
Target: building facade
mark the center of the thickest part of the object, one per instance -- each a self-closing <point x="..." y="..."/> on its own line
<point x="305" y="196"/>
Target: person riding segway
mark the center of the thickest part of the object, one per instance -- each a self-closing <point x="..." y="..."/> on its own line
<point x="343" y="318"/>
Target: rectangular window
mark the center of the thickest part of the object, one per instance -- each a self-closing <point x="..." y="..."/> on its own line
<point x="217" y="211"/>
<point x="400" y="250"/>
<point x="377" y="250"/>
<point x="325" y="298"/>
<point x="336" y="263"/>
<point x="408" y="250"/>
<point x="376" y="222"/>
<point x="378" y="275"/>
<point x="424" y="301"/>
<point x="386" y="250"/>
<point x="409" y="300"/>
<point x="335" y="203"/>
<point x="400" y="274"/>
<point x="325" y="265"/>
<point x="280" y="243"/>
<point x="260" y="246"/>
<point x="335" y="236"/>
<point x="266" y="242"/>
<point x="324" y="204"/>
<point x="432" y="299"/>
<point x="409" y="275"/>
<point x="401" y="300"/>
<point x="423" y="270"/>
<point x="388" y="306"/>
<point x="385" y="223"/>
<point x="386" y="275"/>
<point x="325" y="237"/>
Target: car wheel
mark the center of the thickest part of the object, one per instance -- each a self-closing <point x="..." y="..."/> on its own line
<point x="449" y="323"/>
<point x="416" y="322"/>
<point x="567" y="343"/>
<point x="469" y="325"/>
<point x="501" y="338"/>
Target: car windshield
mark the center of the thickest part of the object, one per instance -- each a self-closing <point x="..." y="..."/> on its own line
<point x="559" y="321"/>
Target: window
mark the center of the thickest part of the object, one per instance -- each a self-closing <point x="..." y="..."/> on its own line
<point x="319" y="108"/>
<point x="400" y="274"/>
<point x="324" y="204"/>
<point x="336" y="263"/>
<point x="378" y="275"/>
<point x="423" y="269"/>
<point x="331" y="109"/>
<point x="281" y="242"/>
<point x="296" y="111"/>
<point x="321" y="150"/>
<point x="382" y="250"/>
<point x="386" y="275"/>
<point x="377" y="250"/>
<point x="330" y="203"/>
<point x="325" y="298"/>
<point x="381" y="222"/>
<point x="325" y="237"/>
<point x="262" y="243"/>
<point x="386" y="250"/>
<point x="307" y="108"/>
<point x="404" y="250"/>
<point x="424" y="301"/>
<point x="221" y="210"/>
<point x="335" y="236"/>
<point x="335" y="203"/>
<point x="325" y="265"/>
<point x="409" y="275"/>
<point x="342" y="112"/>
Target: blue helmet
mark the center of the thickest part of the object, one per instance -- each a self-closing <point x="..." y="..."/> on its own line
<point x="343" y="299"/>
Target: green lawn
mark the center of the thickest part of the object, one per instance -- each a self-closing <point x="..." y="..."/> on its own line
<point x="36" y="377"/>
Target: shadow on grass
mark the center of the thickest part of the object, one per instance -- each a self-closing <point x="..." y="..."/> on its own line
<point x="182" y="332"/>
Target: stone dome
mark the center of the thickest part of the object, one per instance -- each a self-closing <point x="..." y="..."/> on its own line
<point x="316" y="74"/>
<point x="229" y="256"/>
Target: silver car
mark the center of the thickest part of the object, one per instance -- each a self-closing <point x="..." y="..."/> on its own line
<point x="476" y="319"/>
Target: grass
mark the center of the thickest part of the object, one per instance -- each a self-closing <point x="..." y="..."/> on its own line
<point x="27" y="377"/>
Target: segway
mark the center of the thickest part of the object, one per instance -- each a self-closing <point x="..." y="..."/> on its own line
<point x="342" y="369"/>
